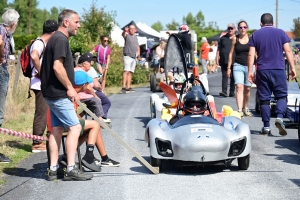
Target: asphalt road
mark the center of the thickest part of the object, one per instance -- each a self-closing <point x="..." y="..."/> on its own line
<point x="274" y="171"/>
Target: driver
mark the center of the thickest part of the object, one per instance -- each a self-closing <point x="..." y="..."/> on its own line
<point x="178" y="82"/>
<point x="194" y="102"/>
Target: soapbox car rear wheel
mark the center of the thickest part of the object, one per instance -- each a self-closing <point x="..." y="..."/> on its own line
<point x="244" y="162"/>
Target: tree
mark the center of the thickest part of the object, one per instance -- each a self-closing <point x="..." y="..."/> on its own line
<point x="3" y="5"/>
<point x="296" y="28"/>
<point x="173" y="25"/>
<point x="157" y="26"/>
<point x="97" y="22"/>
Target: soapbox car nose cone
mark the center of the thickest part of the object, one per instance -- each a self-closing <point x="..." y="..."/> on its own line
<point x="205" y="142"/>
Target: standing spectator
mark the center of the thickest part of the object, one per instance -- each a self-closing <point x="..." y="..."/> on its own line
<point x="57" y="80"/>
<point x="158" y="56"/>
<point x="222" y="60"/>
<point x="9" y="24"/>
<point x="240" y="46"/>
<point x="103" y="58"/>
<point x="131" y="52"/>
<point x="212" y="57"/>
<point x="270" y="72"/>
<point x="204" y="54"/>
<point x="216" y="66"/>
<point x="41" y="107"/>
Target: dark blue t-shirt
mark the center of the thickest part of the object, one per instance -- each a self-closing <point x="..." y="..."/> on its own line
<point x="268" y="42"/>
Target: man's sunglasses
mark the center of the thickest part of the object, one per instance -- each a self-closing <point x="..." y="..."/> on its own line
<point x="243" y="27"/>
<point x="105" y="40"/>
<point x="229" y="28"/>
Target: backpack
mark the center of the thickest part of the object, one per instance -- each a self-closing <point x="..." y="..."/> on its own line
<point x="25" y="59"/>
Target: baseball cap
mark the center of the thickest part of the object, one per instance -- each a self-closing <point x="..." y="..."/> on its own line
<point x="49" y="26"/>
<point x="86" y="57"/>
<point x="81" y="78"/>
<point x="231" y="25"/>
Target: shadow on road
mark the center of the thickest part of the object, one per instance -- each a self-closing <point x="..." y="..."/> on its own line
<point x="169" y="167"/>
<point x="38" y="171"/>
<point x="145" y="120"/>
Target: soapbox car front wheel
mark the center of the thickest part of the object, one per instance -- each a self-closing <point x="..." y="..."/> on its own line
<point x="155" y="162"/>
<point x="244" y="162"/>
<point x="152" y="110"/>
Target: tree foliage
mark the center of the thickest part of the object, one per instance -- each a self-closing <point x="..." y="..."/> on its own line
<point x="296" y="27"/>
<point x="157" y="26"/>
<point x="173" y="25"/>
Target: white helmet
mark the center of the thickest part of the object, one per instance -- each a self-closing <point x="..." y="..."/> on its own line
<point x="184" y="28"/>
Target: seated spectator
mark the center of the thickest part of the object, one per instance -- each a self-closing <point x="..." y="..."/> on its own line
<point x="91" y="133"/>
<point x="89" y="97"/>
<point x="84" y="63"/>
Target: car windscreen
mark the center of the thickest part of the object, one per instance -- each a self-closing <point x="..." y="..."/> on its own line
<point x="194" y="119"/>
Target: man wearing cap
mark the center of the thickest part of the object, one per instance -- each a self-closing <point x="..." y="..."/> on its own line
<point x="222" y="60"/>
<point x="57" y="80"/>
<point x="41" y="107"/>
<point x="204" y="54"/>
<point x="89" y="97"/>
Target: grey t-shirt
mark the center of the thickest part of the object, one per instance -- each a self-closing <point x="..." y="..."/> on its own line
<point x="131" y="46"/>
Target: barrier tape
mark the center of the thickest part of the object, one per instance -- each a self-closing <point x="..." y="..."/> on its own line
<point x="22" y="135"/>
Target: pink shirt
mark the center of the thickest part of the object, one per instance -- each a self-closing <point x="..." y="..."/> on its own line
<point x="100" y="56"/>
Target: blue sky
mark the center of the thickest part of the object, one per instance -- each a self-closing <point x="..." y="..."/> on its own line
<point x="221" y="11"/>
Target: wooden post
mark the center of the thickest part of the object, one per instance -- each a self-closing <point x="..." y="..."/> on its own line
<point x="18" y="70"/>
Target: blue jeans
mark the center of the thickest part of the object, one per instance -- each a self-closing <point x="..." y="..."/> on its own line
<point x="105" y="103"/>
<point x="4" y="78"/>
<point x="204" y="65"/>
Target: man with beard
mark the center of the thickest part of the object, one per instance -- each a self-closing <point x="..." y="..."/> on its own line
<point x="9" y="24"/>
<point x="57" y="80"/>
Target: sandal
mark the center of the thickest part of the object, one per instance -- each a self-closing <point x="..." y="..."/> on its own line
<point x="247" y="112"/>
<point x="241" y="113"/>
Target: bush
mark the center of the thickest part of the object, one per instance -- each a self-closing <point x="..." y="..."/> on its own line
<point x="22" y="40"/>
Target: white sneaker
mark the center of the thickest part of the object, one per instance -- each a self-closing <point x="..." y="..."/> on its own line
<point x="253" y="85"/>
<point x="107" y="120"/>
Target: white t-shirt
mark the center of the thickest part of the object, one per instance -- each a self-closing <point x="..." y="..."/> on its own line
<point x="212" y="55"/>
<point x="35" y="82"/>
<point x="92" y="73"/>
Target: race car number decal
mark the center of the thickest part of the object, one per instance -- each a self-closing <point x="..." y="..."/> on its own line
<point x="194" y="130"/>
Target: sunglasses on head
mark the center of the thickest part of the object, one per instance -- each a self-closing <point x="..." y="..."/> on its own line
<point x="229" y="28"/>
<point x="243" y="27"/>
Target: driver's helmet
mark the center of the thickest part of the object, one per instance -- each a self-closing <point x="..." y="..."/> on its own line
<point x="178" y="81"/>
<point x="194" y="102"/>
<point x="184" y="28"/>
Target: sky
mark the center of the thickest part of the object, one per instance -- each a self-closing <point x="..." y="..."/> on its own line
<point x="221" y="11"/>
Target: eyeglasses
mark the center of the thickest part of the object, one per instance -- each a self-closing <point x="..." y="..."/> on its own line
<point x="243" y="27"/>
<point x="105" y="40"/>
<point x="229" y="28"/>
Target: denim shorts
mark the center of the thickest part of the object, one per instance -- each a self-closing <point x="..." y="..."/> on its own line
<point x="62" y="112"/>
<point x="240" y="74"/>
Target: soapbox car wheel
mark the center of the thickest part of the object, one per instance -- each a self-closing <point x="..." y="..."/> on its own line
<point x="153" y="83"/>
<point x="243" y="162"/>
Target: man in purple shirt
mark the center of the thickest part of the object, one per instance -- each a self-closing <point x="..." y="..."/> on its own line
<point x="269" y="43"/>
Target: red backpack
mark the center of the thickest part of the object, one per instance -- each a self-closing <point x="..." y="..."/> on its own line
<point x="25" y="59"/>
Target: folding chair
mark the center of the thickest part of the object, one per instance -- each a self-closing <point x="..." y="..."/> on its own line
<point x="64" y="135"/>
